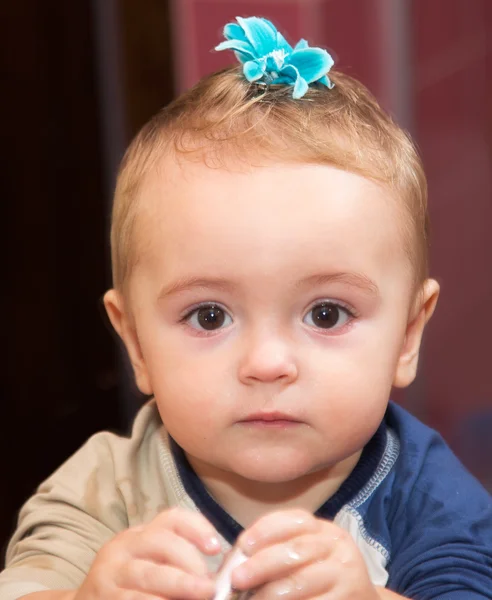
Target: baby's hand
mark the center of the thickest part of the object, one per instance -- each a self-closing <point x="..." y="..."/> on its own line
<point x="295" y="555"/>
<point x="158" y="560"/>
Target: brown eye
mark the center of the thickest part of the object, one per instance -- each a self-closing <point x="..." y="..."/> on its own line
<point x="327" y="315"/>
<point x="208" y="317"/>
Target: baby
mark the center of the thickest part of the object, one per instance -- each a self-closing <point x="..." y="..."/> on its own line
<point x="269" y="245"/>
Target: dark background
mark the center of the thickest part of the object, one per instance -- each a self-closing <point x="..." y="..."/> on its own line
<point x="61" y="378"/>
<point x="78" y="81"/>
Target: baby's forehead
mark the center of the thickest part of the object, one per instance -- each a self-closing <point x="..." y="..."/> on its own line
<point x="176" y="179"/>
<point x="185" y="204"/>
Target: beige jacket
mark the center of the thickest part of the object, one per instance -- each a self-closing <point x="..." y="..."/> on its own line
<point x="110" y="484"/>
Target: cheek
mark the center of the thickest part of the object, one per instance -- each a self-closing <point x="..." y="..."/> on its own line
<point x="188" y="391"/>
<point x="185" y="408"/>
<point x="380" y="340"/>
<point x="357" y="375"/>
<point x="367" y="357"/>
<point x="190" y="387"/>
<point x="352" y="392"/>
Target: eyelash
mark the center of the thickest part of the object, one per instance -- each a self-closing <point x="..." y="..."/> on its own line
<point x="184" y="320"/>
<point x="196" y="307"/>
<point x="352" y="315"/>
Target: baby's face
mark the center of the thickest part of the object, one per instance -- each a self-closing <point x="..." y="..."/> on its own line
<point x="270" y="308"/>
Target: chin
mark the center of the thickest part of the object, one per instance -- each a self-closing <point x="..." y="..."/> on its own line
<point x="271" y="470"/>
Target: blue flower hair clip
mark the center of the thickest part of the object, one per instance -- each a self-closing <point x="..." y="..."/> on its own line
<point x="268" y="58"/>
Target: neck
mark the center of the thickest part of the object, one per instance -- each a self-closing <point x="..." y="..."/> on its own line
<point x="247" y="500"/>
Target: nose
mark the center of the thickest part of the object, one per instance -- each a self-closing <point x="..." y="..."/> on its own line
<point x="268" y="360"/>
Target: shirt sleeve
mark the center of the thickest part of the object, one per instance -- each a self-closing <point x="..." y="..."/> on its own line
<point x="62" y="527"/>
<point x="441" y="530"/>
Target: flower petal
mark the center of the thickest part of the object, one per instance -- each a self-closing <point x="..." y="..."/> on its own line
<point x="325" y="80"/>
<point x="243" y="48"/>
<point x="232" y="31"/>
<point x="254" y="69"/>
<point x="300" y="88"/>
<point x="312" y="63"/>
<point x="242" y="58"/>
<point x="288" y="74"/>
<point x="261" y="34"/>
<point x="283" y="44"/>
<point x="301" y="45"/>
<point x="269" y="23"/>
<point x="300" y="84"/>
<point x="275" y="61"/>
<point x="284" y="80"/>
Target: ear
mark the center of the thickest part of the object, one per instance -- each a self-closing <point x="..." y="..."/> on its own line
<point x="425" y="303"/>
<point x="121" y="320"/>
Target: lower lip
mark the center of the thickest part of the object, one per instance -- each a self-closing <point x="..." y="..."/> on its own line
<point x="276" y="424"/>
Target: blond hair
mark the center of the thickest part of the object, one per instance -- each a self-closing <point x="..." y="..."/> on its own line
<point x="224" y="115"/>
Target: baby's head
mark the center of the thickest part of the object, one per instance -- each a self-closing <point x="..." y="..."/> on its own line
<point x="270" y="272"/>
<point x="226" y="122"/>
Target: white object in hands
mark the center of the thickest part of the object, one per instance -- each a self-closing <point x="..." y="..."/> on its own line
<point x="223" y="589"/>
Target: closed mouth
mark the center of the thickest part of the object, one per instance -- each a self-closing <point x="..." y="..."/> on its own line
<point x="270" y="418"/>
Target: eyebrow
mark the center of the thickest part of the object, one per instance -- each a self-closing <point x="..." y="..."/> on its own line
<point x="184" y="284"/>
<point x="357" y="280"/>
<point x="189" y="283"/>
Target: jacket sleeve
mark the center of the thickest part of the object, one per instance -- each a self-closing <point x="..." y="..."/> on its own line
<point x="62" y="527"/>
<point x="441" y="529"/>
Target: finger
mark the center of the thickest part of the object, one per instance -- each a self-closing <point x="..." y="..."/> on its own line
<point x="166" y="547"/>
<point x="164" y="581"/>
<point x="192" y="526"/>
<point x="277" y="561"/>
<point x="313" y="580"/>
<point x="133" y="595"/>
<point x="276" y="527"/>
